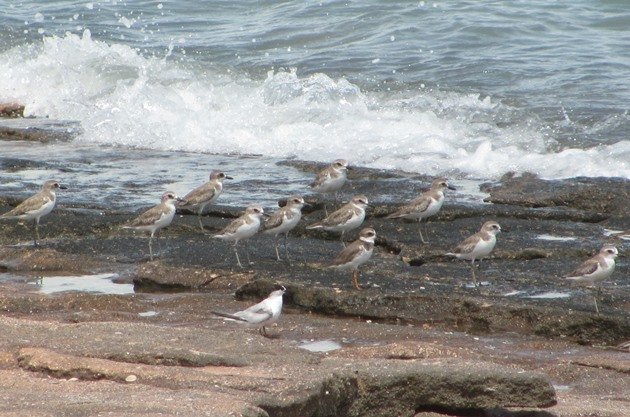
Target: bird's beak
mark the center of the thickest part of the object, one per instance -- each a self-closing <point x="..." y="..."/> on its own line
<point x="227" y="177"/>
<point x="63" y="187"/>
<point x="181" y="200"/>
<point x="450" y="187"/>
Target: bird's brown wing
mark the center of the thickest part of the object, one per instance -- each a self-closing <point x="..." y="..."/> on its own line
<point x="348" y="254"/>
<point x="149" y="217"/>
<point x="32" y="203"/>
<point x="199" y="195"/>
<point x="586" y="268"/>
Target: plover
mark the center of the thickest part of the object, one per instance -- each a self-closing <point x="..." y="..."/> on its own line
<point x="356" y="254"/>
<point x="36" y="206"/>
<point x="283" y="221"/>
<point x="259" y="315"/>
<point x="425" y="205"/>
<point x="155" y="218"/>
<point x="242" y="228"/>
<point x="331" y="178"/>
<point x="348" y="217"/>
<point x="596" y="269"/>
<point x="205" y="194"/>
<point x="478" y="245"/>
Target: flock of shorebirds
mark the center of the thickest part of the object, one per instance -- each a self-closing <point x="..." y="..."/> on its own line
<point x="347" y="218"/>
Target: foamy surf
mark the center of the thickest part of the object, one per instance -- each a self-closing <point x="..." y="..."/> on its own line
<point x="123" y="98"/>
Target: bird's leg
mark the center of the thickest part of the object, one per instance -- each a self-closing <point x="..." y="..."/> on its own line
<point x="420" y="231"/>
<point x="426" y="230"/>
<point x="474" y="278"/>
<point x="263" y="331"/>
<point x="342" y="241"/>
<point x="158" y="239"/>
<point x="286" y="247"/>
<point x="151" y="246"/>
<point x="238" y="260"/>
<point x="597" y="294"/>
<point x="249" y="262"/>
<point x="355" y="279"/>
<point x="36" y="232"/>
<point x="275" y="245"/>
<point x="199" y="217"/>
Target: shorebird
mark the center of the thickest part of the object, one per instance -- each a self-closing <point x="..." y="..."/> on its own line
<point x="356" y="254"/>
<point x="348" y="217"/>
<point x="36" y="206"/>
<point x="155" y="218"/>
<point x="331" y="178"/>
<point x="426" y="205"/>
<point x="242" y="228"/>
<point x="478" y="245"/>
<point x="596" y="269"/>
<point x="259" y="315"/>
<point x="283" y="221"/>
<point x="205" y="194"/>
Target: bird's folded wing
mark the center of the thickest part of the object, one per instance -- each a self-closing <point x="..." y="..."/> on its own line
<point x="587" y="268"/>
<point x="199" y="195"/>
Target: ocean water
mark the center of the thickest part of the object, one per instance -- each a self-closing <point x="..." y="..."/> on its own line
<point x="466" y="89"/>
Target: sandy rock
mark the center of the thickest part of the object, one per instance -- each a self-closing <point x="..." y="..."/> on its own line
<point x="11" y="110"/>
<point x="157" y="276"/>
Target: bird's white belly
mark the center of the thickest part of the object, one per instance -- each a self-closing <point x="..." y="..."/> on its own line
<point x="352" y="223"/>
<point x="331" y="185"/>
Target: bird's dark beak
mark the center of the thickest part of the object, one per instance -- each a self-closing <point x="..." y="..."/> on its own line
<point x="349" y="168"/>
<point x="181" y="200"/>
<point x="63" y="187"/>
<point x="227" y="177"/>
<point x="450" y="187"/>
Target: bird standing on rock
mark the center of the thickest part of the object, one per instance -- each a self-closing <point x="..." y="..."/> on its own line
<point x="36" y="206"/>
<point x="426" y="205"/>
<point x="155" y="218"/>
<point x="242" y="228"/>
<point x="478" y="245"/>
<point x="356" y="254"/>
<point x="348" y="217"/>
<point x="282" y="221"/>
<point x="331" y="178"/>
<point x="259" y="315"/>
<point x="596" y="269"/>
<point x="199" y="198"/>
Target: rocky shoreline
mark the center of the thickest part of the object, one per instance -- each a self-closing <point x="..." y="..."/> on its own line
<point x="416" y="341"/>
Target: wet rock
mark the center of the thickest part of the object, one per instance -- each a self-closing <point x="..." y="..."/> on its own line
<point x="38" y="130"/>
<point x="600" y="195"/>
<point x="11" y="110"/>
<point x="158" y="277"/>
<point x="465" y="313"/>
<point x="44" y="259"/>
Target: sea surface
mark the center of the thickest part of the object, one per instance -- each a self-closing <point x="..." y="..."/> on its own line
<point x="163" y="91"/>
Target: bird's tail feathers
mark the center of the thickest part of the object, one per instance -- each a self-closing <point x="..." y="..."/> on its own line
<point x="228" y="316"/>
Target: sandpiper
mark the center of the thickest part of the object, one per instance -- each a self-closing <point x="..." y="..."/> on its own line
<point x="155" y="218"/>
<point x="242" y="228"/>
<point x="205" y="194"/>
<point x="596" y="269"/>
<point x="259" y="315"/>
<point x="331" y="178"/>
<point x="36" y="206"/>
<point x="348" y="217"/>
<point x="356" y="254"/>
<point x="478" y="245"/>
<point x="283" y="221"/>
<point x="426" y="205"/>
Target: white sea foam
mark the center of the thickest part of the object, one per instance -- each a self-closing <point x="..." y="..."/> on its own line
<point x="124" y="98"/>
